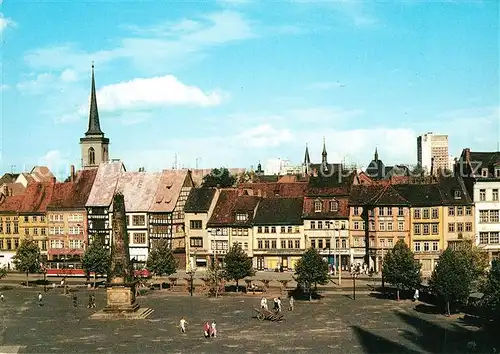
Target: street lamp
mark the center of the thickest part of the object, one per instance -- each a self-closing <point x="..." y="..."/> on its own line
<point x="355" y="273"/>
<point x="339" y="260"/>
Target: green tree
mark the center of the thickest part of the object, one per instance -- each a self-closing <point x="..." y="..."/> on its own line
<point x="453" y="276"/>
<point x="219" y="177"/>
<point x="161" y="259"/>
<point x="401" y="269"/>
<point x="97" y="259"/>
<point x="3" y="272"/>
<point x="237" y="264"/>
<point x="491" y="291"/>
<point x="215" y="277"/>
<point x="310" y="270"/>
<point x="27" y="258"/>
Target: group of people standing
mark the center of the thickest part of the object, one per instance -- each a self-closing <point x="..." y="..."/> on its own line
<point x="277" y="306"/>
<point x="209" y="330"/>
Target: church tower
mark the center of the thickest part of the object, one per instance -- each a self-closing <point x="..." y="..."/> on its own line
<point x="94" y="146"/>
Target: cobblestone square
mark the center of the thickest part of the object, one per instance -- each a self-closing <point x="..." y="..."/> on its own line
<point x="336" y="324"/>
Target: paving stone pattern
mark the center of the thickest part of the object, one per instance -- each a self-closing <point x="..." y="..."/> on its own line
<point x="336" y="324"/>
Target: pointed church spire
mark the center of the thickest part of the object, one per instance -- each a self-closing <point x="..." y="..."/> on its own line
<point x="324" y="147"/>
<point x="94" y="126"/>
<point x="324" y="161"/>
<point x="307" y="159"/>
<point x="376" y="155"/>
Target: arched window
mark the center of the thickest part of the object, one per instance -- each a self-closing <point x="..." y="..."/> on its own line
<point x="91" y="156"/>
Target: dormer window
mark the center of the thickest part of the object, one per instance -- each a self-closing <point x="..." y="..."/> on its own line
<point x="497" y="172"/>
<point x="484" y="172"/>
<point x="317" y="207"/>
<point x="334" y="205"/>
<point x="458" y="194"/>
<point x="241" y="217"/>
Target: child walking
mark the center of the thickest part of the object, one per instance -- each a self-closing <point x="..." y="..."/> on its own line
<point x="183" y="324"/>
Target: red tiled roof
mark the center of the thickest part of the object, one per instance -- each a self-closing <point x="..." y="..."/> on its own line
<point x="11" y="203"/>
<point x="341" y="213"/>
<point x="13" y="187"/>
<point x="73" y="195"/>
<point x="230" y="203"/>
<point x="36" y="197"/>
<point x="273" y="189"/>
<point x="42" y="174"/>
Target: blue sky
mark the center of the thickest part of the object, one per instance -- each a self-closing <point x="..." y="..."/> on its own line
<point x="233" y="83"/>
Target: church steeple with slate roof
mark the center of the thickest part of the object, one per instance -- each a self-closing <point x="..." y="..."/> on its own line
<point x="94" y="146"/>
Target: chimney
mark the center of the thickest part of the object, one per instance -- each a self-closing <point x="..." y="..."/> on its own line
<point x="6" y="191"/>
<point x="467" y="155"/>
<point x="72" y="171"/>
<point x="53" y="180"/>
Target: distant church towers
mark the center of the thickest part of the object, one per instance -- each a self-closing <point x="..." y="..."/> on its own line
<point x="94" y="146"/>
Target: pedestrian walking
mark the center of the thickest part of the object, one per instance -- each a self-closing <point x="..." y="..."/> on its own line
<point x="93" y="301"/>
<point x="2" y="298"/>
<point x="263" y="303"/>
<point x="206" y="330"/>
<point x="416" y="295"/>
<point x="75" y="300"/>
<point x="275" y="304"/>
<point x="279" y="304"/>
<point x="183" y="324"/>
<point x="290" y="307"/>
<point x="214" y="329"/>
<point x="40" y="297"/>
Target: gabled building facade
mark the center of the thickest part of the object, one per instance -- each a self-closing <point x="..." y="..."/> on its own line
<point x="197" y="210"/>
<point x="278" y="241"/>
<point x="67" y="217"/>
<point x="166" y="213"/>
<point x="100" y="199"/>
<point x="9" y="228"/>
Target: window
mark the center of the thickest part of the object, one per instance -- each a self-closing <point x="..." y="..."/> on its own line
<point x="468" y="210"/>
<point x="482" y="195"/>
<point x="356" y="225"/>
<point x="483" y="237"/>
<point x="435" y="229"/>
<point x="494" y="216"/>
<point x="327" y="243"/>
<point x="196" y="241"/>
<point x="401" y="211"/>
<point x="289" y="229"/>
<point x="355" y="211"/>
<point x="381" y="211"/>
<point x="451" y="227"/>
<point x="195" y="225"/>
<point x="372" y="225"/>
<point x="426" y="213"/>
<point x="371" y="212"/>
<point x="282" y="230"/>
<point x="75" y="230"/>
<point x="483" y="216"/>
<point x="401" y="226"/>
<point x="266" y="229"/>
<point x="259" y="229"/>
<point x="416" y="213"/>
<point x="458" y="194"/>
<point x="273" y="244"/>
<point x="497" y="173"/>
<point x="34" y="218"/>
<point x="313" y="224"/>
<point x="426" y="246"/>
<point x="344" y="243"/>
<point x="26" y="218"/>
<point x="91" y="156"/>
<point x="297" y="244"/>
<point x="241" y="217"/>
<point x="42" y="218"/>
<point x="320" y="243"/>
<point x="435" y="213"/>
<point x="416" y="246"/>
<point x="259" y="244"/>
<point x="460" y="211"/>
<point x="390" y="243"/>
<point x="495" y="195"/>
<point x="26" y="231"/>
<point x="460" y="226"/>
<point x="138" y="220"/>
<point x="494" y="237"/>
<point x="334" y="205"/>
<point x="56" y="244"/>
<point x="381" y="226"/>
<point x="389" y="211"/>
<point x="317" y="207"/>
<point x="426" y="229"/>
<point x="417" y="229"/>
<point x="468" y="226"/>
<point x="16" y="228"/>
<point x="75" y="244"/>
<point x="283" y="243"/>
<point x="266" y="244"/>
<point x="435" y="246"/>
<point x="484" y="172"/>
<point x="313" y="243"/>
<point x="290" y="243"/>
<point x="382" y="243"/>
<point x="273" y="229"/>
<point x="7" y="228"/>
<point x="320" y="224"/>
<point x="139" y="237"/>
<point x="43" y="231"/>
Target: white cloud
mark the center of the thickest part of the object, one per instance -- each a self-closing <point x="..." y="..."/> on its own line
<point x="57" y="162"/>
<point x="5" y="22"/>
<point x="154" y="47"/>
<point x="157" y="91"/>
<point x="68" y="75"/>
<point x="265" y="136"/>
<point x="43" y="83"/>
<point x="325" y="85"/>
<point x="4" y="87"/>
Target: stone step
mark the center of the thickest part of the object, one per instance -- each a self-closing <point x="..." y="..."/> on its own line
<point x="146" y="313"/>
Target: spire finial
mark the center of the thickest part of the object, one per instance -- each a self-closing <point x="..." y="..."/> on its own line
<point x="324" y="146"/>
<point x="94" y="125"/>
<point x="376" y="155"/>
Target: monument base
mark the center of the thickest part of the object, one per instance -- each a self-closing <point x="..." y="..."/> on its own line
<point x="121" y="304"/>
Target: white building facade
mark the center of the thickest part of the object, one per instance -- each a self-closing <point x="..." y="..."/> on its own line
<point x="432" y="146"/>
<point x="487" y="210"/>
